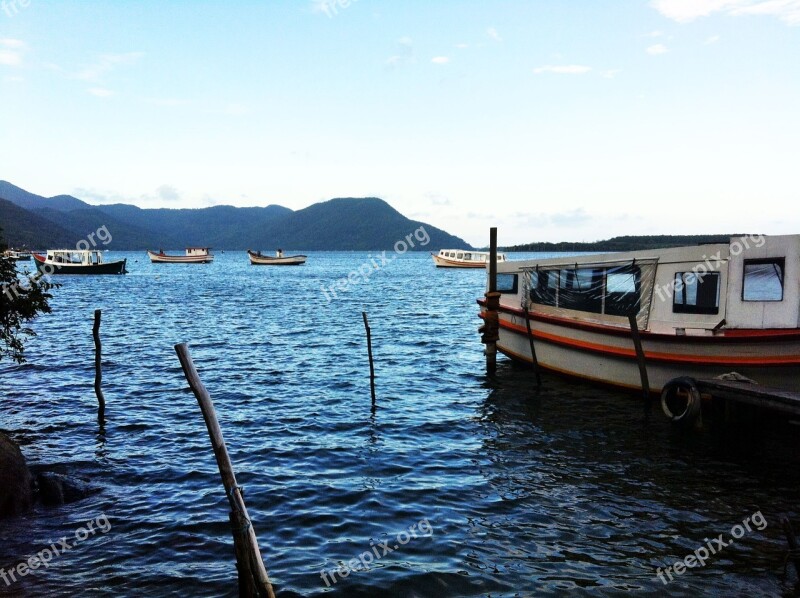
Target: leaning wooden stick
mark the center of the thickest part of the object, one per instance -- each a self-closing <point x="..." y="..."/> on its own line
<point x="98" y="366"/>
<point x="256" y="582"/>
<point x="369" y="352"/>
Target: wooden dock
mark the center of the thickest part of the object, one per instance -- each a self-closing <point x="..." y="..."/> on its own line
<point x="772" y="399"/>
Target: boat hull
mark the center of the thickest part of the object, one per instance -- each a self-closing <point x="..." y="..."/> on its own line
<point x="47" y="267"/>
<point x="263" y="260"/>
<point x="607" y="356"/>
<point x="157" y="258"/>
<point x="442" y="262"/>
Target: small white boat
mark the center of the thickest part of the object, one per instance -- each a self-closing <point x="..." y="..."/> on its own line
<point x="17" y="256"/>
<point x="256" y="259"/>
<point x="460" y="258"/>
<point x="193" y="255"/>
<point x="77" y="261"/>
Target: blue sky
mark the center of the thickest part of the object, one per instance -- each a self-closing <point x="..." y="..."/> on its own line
<point x="552" y="120"/>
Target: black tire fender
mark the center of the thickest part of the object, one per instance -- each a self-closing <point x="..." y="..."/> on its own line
<point x="676" y="389"/>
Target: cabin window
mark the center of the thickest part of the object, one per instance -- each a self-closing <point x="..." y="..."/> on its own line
<point x="507" y="283"/>
<point x="545" y="289"/>
<point x="467" y="256"/>
<point x="623" y="286"/>
<point x="763" y="280"/>
<point x="581" y="289"/>
<point x="460" y="256"/>
<point x="696" y="293"/>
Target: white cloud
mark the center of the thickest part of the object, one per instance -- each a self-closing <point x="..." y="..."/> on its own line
<point x="568" y="69"/>
<point x="712" y="40"/>
<point x="462" y="46"/>
<point x="610" y="74"/>
<point x="684" y="11"/>
<point x="100" y="92"/>
<point x="440" y="60"/>
<point x="168" y="193"/>
<point x="7" y="42"/>
<point x="657" y="49"/>
<point x="786" y="10"/>
<point x="653" y="34"/>
<point x="492" y="33"/>
<point x="105" y="64"/>
<point x="10" y="58"/>
<point x="11" y="51"/>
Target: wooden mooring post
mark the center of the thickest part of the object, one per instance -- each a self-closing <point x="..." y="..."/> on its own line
<point x="637" y="344"/>
<point x="98" y="365"/>
<point x="253" y="578"/>
<point x="369" y="353"/>
<point x="491" y="319"/>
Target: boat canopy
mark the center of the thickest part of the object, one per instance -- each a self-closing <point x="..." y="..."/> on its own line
<point x="598" y="290"/>
<point x="75" y="256"/>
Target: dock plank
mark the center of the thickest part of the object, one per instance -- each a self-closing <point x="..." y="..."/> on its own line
<point x="775" y="399"/>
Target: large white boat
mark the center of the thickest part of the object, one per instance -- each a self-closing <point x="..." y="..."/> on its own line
<point x="193" y="255"/>
<point x="460" y="258"/>
<point x="701" y="311"/>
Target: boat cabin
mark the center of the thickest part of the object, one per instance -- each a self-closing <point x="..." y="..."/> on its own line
<point x="83" y="257"/>
<point x="197" y="251"/>
<point x="752" y="282"/>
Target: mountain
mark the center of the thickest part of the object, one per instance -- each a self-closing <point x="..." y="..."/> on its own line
<point x="343" y="224"/>
<point x="22" y="228"/>
<point x="30" y="201"/>
<point x="337" y="224"/>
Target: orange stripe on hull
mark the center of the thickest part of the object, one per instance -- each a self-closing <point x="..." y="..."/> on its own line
<point x="651" y="355"/>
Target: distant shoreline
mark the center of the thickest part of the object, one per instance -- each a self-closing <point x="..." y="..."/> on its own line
<point x="626" y="243"/>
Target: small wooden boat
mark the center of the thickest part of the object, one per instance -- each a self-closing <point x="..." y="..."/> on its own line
<point x="256" y="259"/>
<point x="17" y="256"/>
<point x="193" y="255"/>
<point x="459" y="258"/>
<point x="77" y="261"/>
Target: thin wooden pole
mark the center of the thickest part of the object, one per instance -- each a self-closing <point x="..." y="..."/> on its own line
<point x="534" y="361"/>
<point x="247" y="552"/>
<point x="369" y="353"/>
<point x="637" y="343"/>
<point x="794" y="550"/>
<point x="98" y="366"/>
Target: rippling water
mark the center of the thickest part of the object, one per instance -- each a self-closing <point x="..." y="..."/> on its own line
<point x="526" y="491"/>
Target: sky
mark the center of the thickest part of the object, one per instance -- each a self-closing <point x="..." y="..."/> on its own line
<point x="553" y="120"/>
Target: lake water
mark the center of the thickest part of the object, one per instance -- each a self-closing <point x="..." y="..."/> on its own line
<point x="510" y="490"/>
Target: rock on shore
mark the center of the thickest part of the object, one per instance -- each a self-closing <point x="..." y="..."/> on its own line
<point x="16" y="482"/>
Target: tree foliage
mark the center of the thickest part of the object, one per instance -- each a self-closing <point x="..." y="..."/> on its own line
<point x="21" y="300"/>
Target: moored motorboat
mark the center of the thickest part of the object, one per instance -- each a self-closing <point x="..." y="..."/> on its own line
<point x="257" y="259"/>
<point x="460" y="258"/>
<point x="77" y="261"/>
<point x="193" y="255"/>
<point x="702" y="312"/>
<point x="17" y="256"/>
